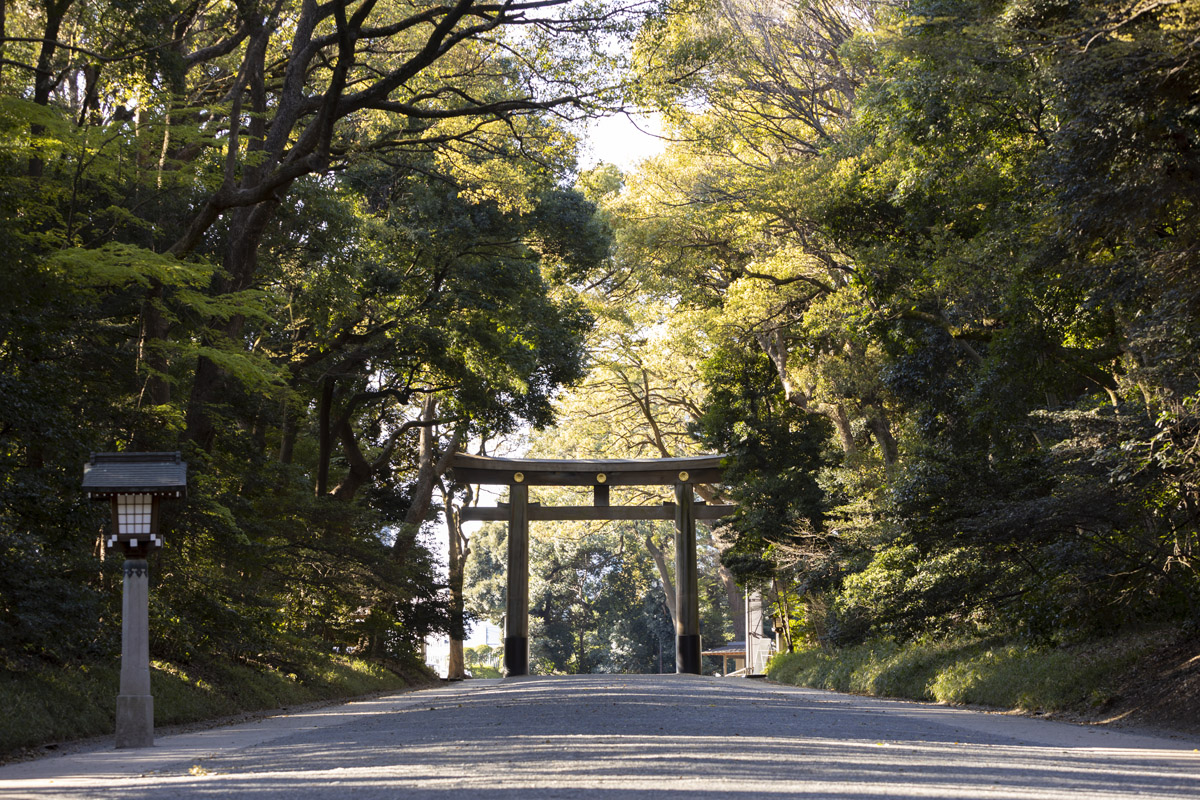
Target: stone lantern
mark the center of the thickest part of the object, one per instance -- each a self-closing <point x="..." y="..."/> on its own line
<point x="135" y="483"/>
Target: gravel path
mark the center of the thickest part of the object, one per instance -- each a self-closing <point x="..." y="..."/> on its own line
<point x="623" y="737"/>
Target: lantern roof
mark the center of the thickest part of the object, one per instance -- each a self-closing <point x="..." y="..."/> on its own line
<point x="135" y="473"/>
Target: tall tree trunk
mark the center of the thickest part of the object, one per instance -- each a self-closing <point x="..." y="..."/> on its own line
<point x="664" y="575"/>
<point x="246" y="230"/>
<point x="579" y="667"/>
<point x="324" y="435"/>
<point x="836" y="413"/>
<point x="44" y="79"/>
<point x="785" y="612"/>
<point x="457" y="553"/>
<point x="207" y="382"/>
<point x="287" y="432"/>
<point x="878" y="422"/>
<point x="430" y="466"/>
<point x="423" y="488"/>
<point x="150" y="347"/>
<point x="3" y="35"/>
<point x="774" y="344"/>
<point x="737" y="602"/>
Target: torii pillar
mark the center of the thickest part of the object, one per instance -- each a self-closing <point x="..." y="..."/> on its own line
<point x="687" y="589"/>
<point x="516" y="618"/>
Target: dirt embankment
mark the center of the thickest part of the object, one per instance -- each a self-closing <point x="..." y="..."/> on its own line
<point x="1162" y="691"/>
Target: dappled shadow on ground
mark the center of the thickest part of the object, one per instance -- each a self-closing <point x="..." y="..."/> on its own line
<point x="641" y="736"/>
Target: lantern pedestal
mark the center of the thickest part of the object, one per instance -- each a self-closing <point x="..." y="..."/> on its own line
<point x="134" y="483"/>
<point x="135" y="721"/>
<point x="135" y="705"/>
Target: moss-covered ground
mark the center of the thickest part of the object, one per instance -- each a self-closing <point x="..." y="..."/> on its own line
<point x="66" y="703"/>
<point x="1081" y="678"/>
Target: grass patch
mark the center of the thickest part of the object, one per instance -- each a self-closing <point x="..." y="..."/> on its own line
<point x="76" y="702"/>
<point x="484" y="672"/>
<point x="970" y="672"/>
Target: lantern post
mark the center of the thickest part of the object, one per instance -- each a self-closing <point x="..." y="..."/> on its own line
<point x="134" y="484"/>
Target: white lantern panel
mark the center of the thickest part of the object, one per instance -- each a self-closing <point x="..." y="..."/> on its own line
<point x="133" y="514"/>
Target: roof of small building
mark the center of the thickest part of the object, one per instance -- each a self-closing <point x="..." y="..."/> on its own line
<point x="731" y="649"/>
<point x="152" y="473"/>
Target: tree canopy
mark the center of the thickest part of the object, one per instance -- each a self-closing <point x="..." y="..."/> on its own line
<point x="313" y="246"/>
<point x="958" y="237"/>
<point x="924" y="271"/>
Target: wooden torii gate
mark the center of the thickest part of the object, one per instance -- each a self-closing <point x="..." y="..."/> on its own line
<point x="600" y="474"/>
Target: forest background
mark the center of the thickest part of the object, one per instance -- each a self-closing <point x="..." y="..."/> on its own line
<point x="925" y="271"/>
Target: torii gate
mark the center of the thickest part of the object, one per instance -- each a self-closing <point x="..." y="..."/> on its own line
<point x="520" y="474"/>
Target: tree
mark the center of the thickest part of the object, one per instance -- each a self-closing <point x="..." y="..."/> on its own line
<point x="457" y="550"/>
<point x="940" y="261"/>
<point x="291" y="240"/>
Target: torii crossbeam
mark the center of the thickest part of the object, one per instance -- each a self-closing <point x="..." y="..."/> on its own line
<point x="519" y="474"/>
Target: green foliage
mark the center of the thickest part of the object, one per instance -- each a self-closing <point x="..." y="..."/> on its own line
<point x="596" y="602"/>
<point x="976" y="265"/>
<point x="774" y="453"/>
<point x="483" y="661"/>
<point x="115" y="264"/>
<point x="189" y="269"/>
<point x="968" y="671"/>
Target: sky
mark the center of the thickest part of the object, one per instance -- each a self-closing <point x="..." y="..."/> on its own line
<point x="621" y="141"/>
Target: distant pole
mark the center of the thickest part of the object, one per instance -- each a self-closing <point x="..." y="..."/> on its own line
<point x="687" y="585"/>
<point x="135" y="705"/>
<point x="516" y="620"/>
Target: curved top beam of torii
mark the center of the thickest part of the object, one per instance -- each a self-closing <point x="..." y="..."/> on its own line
<point x="588" y="471"/>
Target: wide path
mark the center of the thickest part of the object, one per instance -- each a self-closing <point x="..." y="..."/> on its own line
<point x="622" y="737"/>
